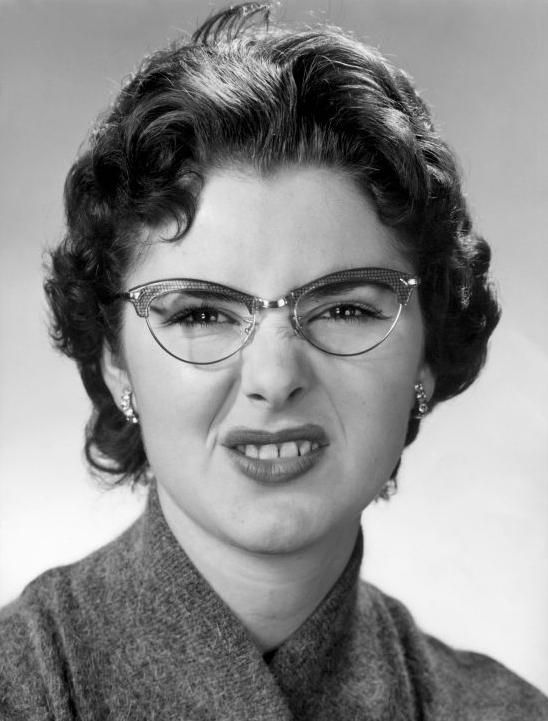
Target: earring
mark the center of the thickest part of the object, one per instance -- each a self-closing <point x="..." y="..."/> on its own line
<point x="126" y="406"/>
<point x="421" y="406"/>
<point x="389" y="489"/>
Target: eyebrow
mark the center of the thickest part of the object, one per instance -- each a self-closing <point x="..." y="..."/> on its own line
<point x="340" y="287"/>
<point x="227" y="294"/>
<point x="217" y="293"/>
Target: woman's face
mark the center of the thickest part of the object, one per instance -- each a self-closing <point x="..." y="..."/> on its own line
<point x="266" y="236"/>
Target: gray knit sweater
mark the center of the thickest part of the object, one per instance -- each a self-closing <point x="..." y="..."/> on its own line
<point x="133" y="632"/>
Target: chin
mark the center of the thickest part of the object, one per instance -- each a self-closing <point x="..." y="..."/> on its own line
<point x="288" y="531"/>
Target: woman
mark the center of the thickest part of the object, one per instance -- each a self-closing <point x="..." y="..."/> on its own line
<point x="269" y="277"/>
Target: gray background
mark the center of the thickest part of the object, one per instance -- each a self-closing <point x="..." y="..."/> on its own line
<point x="465" y="542"/>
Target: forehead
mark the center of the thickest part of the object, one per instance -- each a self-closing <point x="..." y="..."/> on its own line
<point x="267" y="234"/>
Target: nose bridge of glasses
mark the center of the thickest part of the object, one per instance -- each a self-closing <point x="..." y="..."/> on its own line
<point x="262" y="303"/>
<point x="287" y="301"/>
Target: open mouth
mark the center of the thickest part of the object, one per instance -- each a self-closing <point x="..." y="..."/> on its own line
<point x="273" y="457"/>
<point x="272" y="451"/>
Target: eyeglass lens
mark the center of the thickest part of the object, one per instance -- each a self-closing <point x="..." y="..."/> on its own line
<point x="343" y="318"/>
<point x="199" y="327"/>
<point x="348" y="318"/>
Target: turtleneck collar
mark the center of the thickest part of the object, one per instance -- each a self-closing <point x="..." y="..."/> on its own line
<point x="191" y="621"/>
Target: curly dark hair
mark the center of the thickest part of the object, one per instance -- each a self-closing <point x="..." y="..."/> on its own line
<point x="242" y="92"/>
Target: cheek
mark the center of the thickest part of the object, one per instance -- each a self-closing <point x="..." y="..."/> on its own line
<point x="179" y="405"/>
<point x="374" y="403"/>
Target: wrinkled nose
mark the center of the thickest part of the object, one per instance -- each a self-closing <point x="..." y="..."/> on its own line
<point x="275" y="368"/>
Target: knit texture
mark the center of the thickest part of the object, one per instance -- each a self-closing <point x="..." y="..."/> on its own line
<point x="133" y="632"/>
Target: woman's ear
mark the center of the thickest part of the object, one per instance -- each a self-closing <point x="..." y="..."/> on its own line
<point x="114" y="373"/>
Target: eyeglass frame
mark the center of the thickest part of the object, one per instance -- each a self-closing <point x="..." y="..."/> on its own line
<point x="142" y="295"/>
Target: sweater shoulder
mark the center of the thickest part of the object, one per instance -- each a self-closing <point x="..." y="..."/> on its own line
<point x="80" y="583"/>
<point x="37" y="630"/>
<point x="459" y="684"/>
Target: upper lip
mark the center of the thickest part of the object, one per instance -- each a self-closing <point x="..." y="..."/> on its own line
<point x="242" y="436"/>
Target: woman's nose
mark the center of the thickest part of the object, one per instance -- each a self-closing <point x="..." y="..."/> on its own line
<point x="275" y="367"/>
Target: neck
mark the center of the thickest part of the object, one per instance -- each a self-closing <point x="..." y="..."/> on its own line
<point x="271" y="594"/>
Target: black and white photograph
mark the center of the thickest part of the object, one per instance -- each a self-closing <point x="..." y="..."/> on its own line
<point x="274" y="360"/>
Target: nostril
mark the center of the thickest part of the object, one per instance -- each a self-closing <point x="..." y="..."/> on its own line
<point x="276" y="397"/>
<point x="256" y="397"/>
<point x="295" y="392"/>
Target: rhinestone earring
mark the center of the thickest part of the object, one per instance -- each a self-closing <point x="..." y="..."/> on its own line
<point x="126" y="406"/>
<point x="421" y="405"/>
<point x="389" y="489"/>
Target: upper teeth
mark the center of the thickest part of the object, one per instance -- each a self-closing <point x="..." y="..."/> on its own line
<point x="291" y="449"/>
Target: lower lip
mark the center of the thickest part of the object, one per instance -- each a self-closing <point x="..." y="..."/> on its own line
<point x="275" y="470"/>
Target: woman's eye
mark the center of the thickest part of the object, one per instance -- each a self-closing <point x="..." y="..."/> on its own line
<point x="200" y="316"/>
<point x="349" y="312"/>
